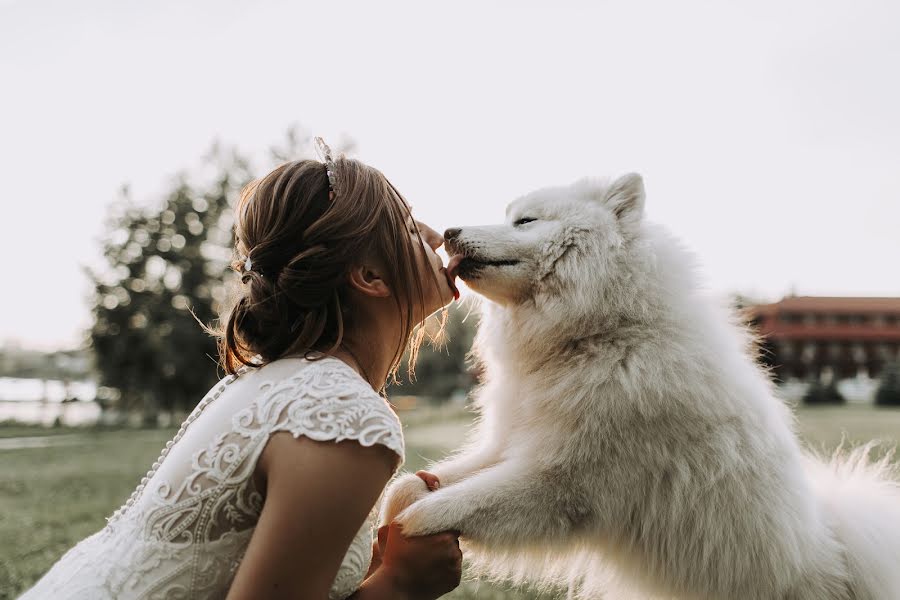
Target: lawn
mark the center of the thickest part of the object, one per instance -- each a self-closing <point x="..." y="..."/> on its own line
<point x="59" y="489"/>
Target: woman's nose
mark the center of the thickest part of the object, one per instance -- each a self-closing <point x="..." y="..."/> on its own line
<point x="435" y="240"/>
<point x="431" y="237"/>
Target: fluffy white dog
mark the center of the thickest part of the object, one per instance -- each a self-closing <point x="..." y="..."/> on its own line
<point x="628" y="445"/>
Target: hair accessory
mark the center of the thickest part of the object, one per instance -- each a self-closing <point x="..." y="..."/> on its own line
<point x="248" y="264"/>
<point x="325" y="154"/>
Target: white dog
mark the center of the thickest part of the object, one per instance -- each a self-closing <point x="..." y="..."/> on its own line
<point x="628" y="445"/>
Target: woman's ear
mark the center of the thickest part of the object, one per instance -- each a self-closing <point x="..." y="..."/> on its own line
<point x="366" y="279"/>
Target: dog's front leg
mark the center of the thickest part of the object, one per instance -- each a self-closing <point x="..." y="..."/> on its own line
<point x="468" y="462"/>
<point x="503" y="505"/>
<point x="408" y="489"/>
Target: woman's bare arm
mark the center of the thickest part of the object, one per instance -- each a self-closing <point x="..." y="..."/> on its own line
<point x="318" y="495"/>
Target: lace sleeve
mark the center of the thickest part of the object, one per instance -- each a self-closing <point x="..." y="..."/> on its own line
<point x="326" y="400"/>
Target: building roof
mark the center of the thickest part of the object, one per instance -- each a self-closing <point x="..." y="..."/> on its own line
<point x="830" y="304"/>
<point x="786" y="320"/>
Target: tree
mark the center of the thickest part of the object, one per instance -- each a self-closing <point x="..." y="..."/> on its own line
<point x="888" y="393"/>
<point x="167" y="268"/>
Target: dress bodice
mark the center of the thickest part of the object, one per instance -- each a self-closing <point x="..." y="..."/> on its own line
<point x="184" y="530"/>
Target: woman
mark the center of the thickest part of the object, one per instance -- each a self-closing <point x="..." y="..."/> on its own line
<point x="268" y="488"/>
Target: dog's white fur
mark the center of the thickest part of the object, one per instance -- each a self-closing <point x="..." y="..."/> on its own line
<point x="628" y="445"/>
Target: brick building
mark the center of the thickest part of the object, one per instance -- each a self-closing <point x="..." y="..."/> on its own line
<point x="806" y="337"/>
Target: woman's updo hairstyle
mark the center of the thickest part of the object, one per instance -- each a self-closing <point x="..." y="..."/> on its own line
<point x="301" y="239"/>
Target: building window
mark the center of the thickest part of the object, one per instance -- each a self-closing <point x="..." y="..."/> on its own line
<point x="786" y="349"/>
<point x="809" y="352"/>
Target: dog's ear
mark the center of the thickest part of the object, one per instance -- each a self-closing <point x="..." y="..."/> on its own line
<point x="625" y="198"/>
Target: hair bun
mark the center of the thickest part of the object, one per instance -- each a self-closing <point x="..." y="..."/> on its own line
<point x="303" y="239"/>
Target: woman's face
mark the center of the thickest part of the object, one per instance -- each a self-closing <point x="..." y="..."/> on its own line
<point x="436" y="287"/>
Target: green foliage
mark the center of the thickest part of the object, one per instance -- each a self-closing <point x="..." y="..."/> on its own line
<point x="888" y="393"/>
<point x="443" y="368"/>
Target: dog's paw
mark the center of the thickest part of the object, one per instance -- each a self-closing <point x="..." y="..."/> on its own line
<point x="403" y="492"/>
<point x="433" y="514"/>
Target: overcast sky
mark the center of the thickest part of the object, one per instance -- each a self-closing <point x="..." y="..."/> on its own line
<point x="767" y="132"/>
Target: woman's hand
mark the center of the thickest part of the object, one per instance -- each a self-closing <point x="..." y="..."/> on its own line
<point x="419" y="568"/>
<point x="431" y="480"/>
<point x="432" y="483"/>
<point x="429" y="566"/>
<point x="404" y="491"/>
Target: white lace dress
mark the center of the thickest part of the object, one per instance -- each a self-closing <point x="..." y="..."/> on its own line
<point x="184" y="530"/>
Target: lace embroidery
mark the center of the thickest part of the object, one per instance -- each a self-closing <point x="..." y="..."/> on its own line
<point x="333" y="405"/>
<point x="185" y="537"/>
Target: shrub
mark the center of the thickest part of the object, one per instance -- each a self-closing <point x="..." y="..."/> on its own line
<point x="888" y="393"/>
<point x="820" y="393"/>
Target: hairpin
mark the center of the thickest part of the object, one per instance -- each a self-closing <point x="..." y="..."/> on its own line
<point x="246" y="264"/>
<point x="325" y="154"/>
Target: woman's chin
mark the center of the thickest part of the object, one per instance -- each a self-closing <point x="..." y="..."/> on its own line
<point x="446" y="293"/>
<point x="446" y="299"/>
<point x="433" y="305"/>
<point x="447" y="296"/>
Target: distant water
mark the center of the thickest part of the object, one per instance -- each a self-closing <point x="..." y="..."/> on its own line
<point x="40" y="401"/>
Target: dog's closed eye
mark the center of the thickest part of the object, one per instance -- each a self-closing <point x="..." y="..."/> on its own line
<point x="523" y="221"/>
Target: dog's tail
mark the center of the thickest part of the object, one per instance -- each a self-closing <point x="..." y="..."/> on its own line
<point x="862" y="498"/>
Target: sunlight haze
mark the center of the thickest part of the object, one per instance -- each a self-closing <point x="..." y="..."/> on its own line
<point x="767" y="133"/>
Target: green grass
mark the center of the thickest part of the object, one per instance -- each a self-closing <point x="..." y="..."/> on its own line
<point x="10" y="429"/>
<point x="52" y="497"/>
<point x="822" y="428"/>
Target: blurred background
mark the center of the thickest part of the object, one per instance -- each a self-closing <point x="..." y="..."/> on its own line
<point x="767" y="133"/>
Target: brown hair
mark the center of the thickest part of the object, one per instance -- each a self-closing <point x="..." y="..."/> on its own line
<point x="302" y="239"/>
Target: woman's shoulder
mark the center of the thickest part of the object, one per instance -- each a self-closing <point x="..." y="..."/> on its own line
<point x="322" y="399"/>
<point x="324" y="378"/>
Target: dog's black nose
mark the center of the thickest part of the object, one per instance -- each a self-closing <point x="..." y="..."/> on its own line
<point x="452" y="233"/>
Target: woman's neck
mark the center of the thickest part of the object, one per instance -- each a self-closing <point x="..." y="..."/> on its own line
<point x="370" y="345"/>
<point x="371" y="357"/>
